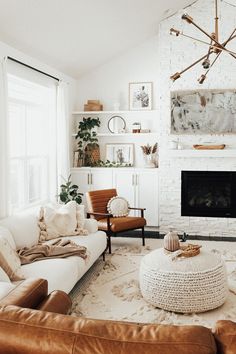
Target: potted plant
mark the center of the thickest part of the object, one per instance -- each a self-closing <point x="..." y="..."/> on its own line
<point x="69" y="191"/>
<point x="148" y="152"/>
<point x="88" y="147"/>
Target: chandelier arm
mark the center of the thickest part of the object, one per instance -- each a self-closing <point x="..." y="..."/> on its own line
<point x="216" y="21"/>
<point x="195" y="63"/>
<point x="178" y="74"/>
<point x="204" y="76"/>
<point x="219" y="46"/>
<point x="231" y="37"/>
<point x="212" y="46"/>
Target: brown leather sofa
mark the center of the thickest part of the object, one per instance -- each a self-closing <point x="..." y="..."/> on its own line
<point x="39" y="331"/>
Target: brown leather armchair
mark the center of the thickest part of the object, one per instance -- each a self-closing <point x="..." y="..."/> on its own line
<point x="97" y="208"/>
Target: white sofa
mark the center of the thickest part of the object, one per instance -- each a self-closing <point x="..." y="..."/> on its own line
<point x="61" y="273"/>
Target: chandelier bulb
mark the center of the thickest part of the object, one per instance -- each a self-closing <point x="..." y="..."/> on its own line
<point x="175" y="76"/>
<point x="174" y="31"/>
<point x="206" y="64"/>
<point x="202" y="79"/>
<point x="187" y="18"/>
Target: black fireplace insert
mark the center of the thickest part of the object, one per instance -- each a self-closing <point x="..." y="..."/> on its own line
<point x="208" y="193"/>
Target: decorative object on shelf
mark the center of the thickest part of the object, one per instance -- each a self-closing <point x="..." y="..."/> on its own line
<point x="149" y="152"/>
<point x="171" y="241"/>
<point x="203" y="112"/>
<point x="140" y="96"/>
<point x="69" y="191"/>
<point x="108" y="163"/>
<point x="145" y="131"/>
<point x="136" y="127"/>
<point x="93" y="105"/>
<point x="116" y="124"/>
<point x="215" y="47"/>
<point x="122" y="154"/>
<point x="88" y="147"/>
<point x="209" y="147"/>
<point x="118" y="207"/>
<point x="76" y="159"/>
<point x="173" y="145"/>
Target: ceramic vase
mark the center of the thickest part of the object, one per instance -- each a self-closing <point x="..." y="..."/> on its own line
<point x="171" y="241"/>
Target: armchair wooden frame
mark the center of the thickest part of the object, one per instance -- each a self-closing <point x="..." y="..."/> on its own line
<point x="110" y="233"/>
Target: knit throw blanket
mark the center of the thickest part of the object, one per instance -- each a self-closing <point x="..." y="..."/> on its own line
<point x="58" y="249"/>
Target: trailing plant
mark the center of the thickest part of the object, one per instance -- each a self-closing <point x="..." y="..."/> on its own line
<point x="69" y="192"/>
<point x="87" y="137"/>
<point x="109" y="163"/>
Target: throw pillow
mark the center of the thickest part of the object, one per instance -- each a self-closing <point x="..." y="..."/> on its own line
<point x="59" y="221"/>
<point x="80" y="216"/>
<point x="118" y="206"/>
<point x="10" y="261"/>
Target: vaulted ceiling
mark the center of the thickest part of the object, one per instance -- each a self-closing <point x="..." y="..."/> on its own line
<point x="76" y="36"/>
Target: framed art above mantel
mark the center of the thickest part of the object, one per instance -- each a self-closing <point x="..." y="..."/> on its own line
<point x="203" y="112"/>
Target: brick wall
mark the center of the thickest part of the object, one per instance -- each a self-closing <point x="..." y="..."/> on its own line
<point x="175" y="53"/>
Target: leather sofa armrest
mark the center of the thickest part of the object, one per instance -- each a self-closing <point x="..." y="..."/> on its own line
<point x="31" y="331"/>
<point x="58" y="301"/>
<point x="28" y="293"/>
<point x="225" y="336"/>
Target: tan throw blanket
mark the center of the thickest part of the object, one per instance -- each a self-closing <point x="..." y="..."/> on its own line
<point x="58" y="249"/>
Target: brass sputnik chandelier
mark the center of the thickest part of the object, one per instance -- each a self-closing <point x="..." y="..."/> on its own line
<point x="215" y="47"/>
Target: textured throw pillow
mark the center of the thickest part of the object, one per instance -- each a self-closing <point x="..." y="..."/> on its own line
<point x="118" y="206"/>
<point x="80" y="216"/>
<point x="10" y="261"/>
<point x="7" y="235"/>
<point x="59" y="221"/>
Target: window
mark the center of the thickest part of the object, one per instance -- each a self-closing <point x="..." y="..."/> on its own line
<point x="32" y="141"/>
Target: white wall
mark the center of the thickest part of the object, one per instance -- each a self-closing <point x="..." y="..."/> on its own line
<point x="109" y="83"/>
<point x="155" y="61"/>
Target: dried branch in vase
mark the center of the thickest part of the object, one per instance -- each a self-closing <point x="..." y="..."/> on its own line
<point x="149" y="149"/>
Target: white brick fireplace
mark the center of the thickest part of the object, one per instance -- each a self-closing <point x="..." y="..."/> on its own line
<point x="175" y="54"/>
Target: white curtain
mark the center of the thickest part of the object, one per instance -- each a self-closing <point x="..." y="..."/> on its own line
<point x="4" y="160"/>
<point x="63" y="156"/>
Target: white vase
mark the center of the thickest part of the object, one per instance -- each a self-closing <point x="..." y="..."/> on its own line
<point x="149" y="162"/>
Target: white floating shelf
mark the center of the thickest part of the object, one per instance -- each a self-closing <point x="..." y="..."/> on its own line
<point x="185" y="153"/>
<point x="113" y="112"/>
<point x="123" y="134"/>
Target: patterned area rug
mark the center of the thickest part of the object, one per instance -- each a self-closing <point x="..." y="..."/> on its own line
<point x="110" y="290"/>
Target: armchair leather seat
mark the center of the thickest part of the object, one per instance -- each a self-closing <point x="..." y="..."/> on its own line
<point x="122" y="223"/>
<point x="97" y="209"/>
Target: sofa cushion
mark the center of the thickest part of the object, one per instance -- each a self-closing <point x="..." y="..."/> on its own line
<point x="80" y="216"/>
<point x="7" y="234"/>
<point x="225" y="336"/>
<point x="4" y="276"/>
<point x="23" y="227"/>
<point x="9" y="260"/>
<point x="62" y="274"/>
<point x="60" y="334"/>
<point x="58" y="221"/>
<point x="5" y="288"/>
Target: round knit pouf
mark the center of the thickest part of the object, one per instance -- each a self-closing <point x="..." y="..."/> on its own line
<point x="185" y="285"/>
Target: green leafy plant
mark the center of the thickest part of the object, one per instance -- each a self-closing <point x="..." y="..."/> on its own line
<point x="69" y="191"/>
<point x="87" y="138"/>
<point x="109" y="163"/>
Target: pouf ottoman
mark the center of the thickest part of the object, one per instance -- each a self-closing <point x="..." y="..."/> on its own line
<point x="185" y="285"/>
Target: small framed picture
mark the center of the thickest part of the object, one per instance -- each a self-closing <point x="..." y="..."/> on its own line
<point x="140" y="96"/>
<point x="121" y="154"/>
